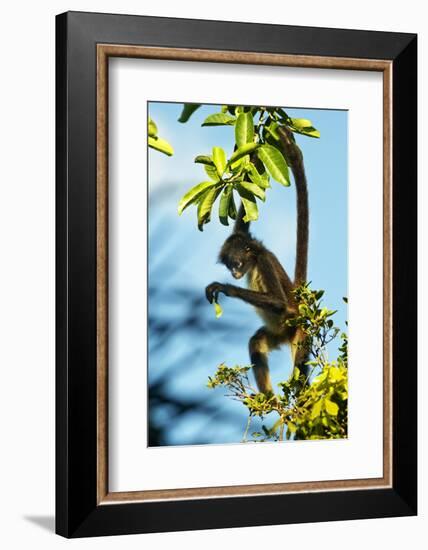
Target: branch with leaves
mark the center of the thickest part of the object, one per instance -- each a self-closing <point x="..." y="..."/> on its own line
<point x="258" y="156"/>
<point x="315" y="407"/>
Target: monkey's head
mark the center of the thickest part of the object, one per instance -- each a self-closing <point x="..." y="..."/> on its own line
<point x="238" y="254"/>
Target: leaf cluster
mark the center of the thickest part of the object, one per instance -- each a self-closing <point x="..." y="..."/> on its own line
<point x="315" y="407"/>
<point x="257" y="157"/>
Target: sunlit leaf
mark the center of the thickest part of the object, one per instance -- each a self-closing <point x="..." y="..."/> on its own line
<point x="260" y="180"/>
<point x="304" y="126"/>
<point x="254" y="189"/>
<point x="275" y="163"/>
<point x="310" y="132"/>
<point x="244" y="129"/>
<point x="205" y="205"/>
<point x="272" y="130"/>
<point x="211" y="171"/>
<point x="331" y="407"/>
<point x="291" y="426"/>
<point x="249" y="202"/>
<point x="219" y="119"/>
<point x="194" y="194"/>
<point x="160" y="145"/>
<point x="209" y="166"/>
<point x="316" y="409"/>
<point x="219" y="159"/>
<point x="224" y="207"/>
<point x="242" y="151"/>
<point x="218" y="310"/>
<point x="152" y="128"/>
<point x="301" y="123"/>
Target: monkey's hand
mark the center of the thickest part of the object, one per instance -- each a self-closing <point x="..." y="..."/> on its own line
<point x="213" y="290"/>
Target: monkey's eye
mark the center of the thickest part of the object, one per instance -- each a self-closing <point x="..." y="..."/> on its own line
<point x="238" y="265"/>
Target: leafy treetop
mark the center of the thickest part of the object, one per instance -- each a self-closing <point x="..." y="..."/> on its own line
<point x="257" y="157"/>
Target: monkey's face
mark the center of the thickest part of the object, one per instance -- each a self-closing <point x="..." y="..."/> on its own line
<point x="237" y="267"/>
<point x="236" y="254"/>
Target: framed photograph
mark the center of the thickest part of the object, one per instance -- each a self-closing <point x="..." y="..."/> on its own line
<point x="236" y="274"/>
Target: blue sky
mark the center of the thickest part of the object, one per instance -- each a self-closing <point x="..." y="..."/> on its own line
<point x="181" y="257"/>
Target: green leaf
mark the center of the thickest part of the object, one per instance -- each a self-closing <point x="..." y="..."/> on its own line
<point x="310" y="132"/>
<point x="301" y="123"/>
<point x="194" y="194"/>
<point x="204" y="159"/>
<point x="160" y="145"/>
<point x="249" y="202"/>
<point x="275" y="163"/>
<point x="218" y="310"/>
<point x="291" y="426"/>
<point x="211" y="171"/>
<point x="254" y="189"/>
<point x="232" y="209"/>
<point x="331" y="407"/>
<point x="316" y="409"/>
<point x="219" y="119"/>
<point x="219" y="159"/>
<point x="209" y="167"/>
<point x="236" y="166"/>
<point x="242" y="151"/>
<point x="205" y="206"/>
<point x="272" y="130"/>
<point x="224" y="208"/>
<point x="304" y="310"/>
<point x="188" y="110"/>
<point x="244" y="129"/>
<point x="303" y="126"/>
<point x="260" y="180"/>
<point x="152" y="128"/>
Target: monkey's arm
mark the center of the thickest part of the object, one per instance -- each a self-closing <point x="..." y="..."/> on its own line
<point x="262" y="300"/>
<point x="273" y="298"/>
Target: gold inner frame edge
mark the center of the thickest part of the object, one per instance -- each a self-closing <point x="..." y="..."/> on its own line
<point x="104" y="51"/>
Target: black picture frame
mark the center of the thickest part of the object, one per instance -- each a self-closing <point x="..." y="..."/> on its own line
<point x="78" y="512"/>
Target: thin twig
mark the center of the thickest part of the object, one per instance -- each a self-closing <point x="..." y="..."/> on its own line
<point x="244" y="440"/>
<point x="281" y="432"/>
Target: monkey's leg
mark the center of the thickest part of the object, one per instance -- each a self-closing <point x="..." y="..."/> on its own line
<point x="260" y="344"/>
<point x="299" y="352"/>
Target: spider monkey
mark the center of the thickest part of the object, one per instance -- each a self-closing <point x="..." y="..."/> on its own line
<point x="270" y="287"/>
